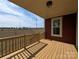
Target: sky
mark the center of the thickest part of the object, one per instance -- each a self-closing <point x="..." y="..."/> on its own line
<point x="12" y="15"/>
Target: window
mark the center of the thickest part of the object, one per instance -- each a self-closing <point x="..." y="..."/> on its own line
<point x="56" y="27"/>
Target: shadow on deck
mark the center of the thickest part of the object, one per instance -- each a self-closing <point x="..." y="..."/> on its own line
<point x="29" y="52"/>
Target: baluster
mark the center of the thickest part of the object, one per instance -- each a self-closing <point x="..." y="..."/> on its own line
<point x="16" y="44"/>
<point x="19" y="42"/>
<point x="29" y="41"/>
<point x="13" y="45"/>
<point x="9" y="45"/>
<point x="1" y="48"/>
<point x="23" y="41"/>
<point x="5" y="47"/>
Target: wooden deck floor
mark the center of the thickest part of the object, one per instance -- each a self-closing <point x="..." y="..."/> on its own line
<point x="57" y="50"/>
<point x="54" y="50"/>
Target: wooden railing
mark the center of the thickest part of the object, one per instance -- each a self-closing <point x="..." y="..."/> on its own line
<point x="14" y="43"/>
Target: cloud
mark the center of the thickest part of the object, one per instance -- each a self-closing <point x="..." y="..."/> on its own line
<point x="14" y="21"/>
<point x="12" y="15"/>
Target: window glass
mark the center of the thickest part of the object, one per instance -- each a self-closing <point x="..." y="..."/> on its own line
<point x="56" y="26"/>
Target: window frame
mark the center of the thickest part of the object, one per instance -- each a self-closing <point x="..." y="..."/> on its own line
<point x="52" y="33"/>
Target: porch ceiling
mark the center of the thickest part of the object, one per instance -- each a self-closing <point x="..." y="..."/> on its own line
<point x="59" y="7"/>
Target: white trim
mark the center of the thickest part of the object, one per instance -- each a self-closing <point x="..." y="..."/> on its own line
<point x="60" y="35"/>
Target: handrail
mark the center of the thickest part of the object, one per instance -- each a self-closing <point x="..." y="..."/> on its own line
<point x="15" y="36"/>
<point x="11" y="44"/>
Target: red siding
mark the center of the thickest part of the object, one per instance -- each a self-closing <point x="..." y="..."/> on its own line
<point x="47" y="28"/>
<point x="69" y="29"/>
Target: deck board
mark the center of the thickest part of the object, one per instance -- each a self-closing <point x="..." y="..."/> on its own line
<point x="57" y="50"/>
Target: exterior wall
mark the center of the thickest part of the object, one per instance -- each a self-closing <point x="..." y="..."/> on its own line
<point x="68" y="31"/>
<point x="47" y="29"/>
